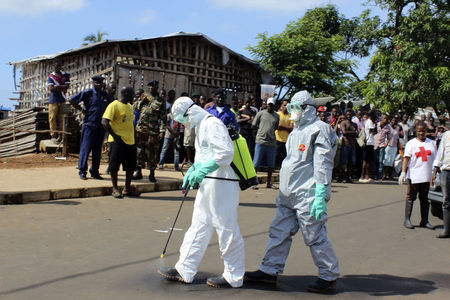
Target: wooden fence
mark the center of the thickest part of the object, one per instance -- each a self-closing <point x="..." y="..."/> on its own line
<point x="22" y="133"/>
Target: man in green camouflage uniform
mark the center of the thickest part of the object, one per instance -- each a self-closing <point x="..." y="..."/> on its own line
<point x="150" y="130"/>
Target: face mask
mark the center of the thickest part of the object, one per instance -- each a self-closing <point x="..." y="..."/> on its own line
<point x="295" y="116"/>
<point x="181" y="119"/>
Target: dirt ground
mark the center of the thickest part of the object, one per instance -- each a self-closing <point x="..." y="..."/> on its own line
<point x="37" y="160"/>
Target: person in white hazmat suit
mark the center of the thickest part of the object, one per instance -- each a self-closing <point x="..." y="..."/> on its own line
<point x="216" y="203"/>
<point x="305" y="180"/>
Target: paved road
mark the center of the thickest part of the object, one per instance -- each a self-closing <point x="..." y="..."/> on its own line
<point x="102" y="248"/>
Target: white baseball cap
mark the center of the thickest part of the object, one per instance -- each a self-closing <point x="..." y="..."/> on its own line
<point x="271" y="100"/>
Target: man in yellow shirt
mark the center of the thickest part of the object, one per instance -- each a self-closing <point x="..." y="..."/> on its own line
<point x="118" y="122"/>
<point x="281" y="134"/>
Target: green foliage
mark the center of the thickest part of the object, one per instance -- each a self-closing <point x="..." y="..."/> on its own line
<point x="360" y="34"/>
<point x="94" y="38"/>
<point x="410" y="68"/>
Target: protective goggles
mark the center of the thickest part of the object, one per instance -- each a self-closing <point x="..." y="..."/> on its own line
<point x="293" y="107"/>
<point x="183" y="118"/>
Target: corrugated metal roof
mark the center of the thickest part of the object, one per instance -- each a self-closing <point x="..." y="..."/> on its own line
<point x="94" y="45"/>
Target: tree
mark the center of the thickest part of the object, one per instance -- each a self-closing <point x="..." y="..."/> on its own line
<point x="94" y="38"/>
<point x="304" y="55"/>
<point x="410" y="68"/>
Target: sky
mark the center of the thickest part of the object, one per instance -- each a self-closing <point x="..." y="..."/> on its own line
<point x="35" y="27"/>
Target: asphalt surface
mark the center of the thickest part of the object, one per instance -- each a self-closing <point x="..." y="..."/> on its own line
<point x="104" y="248"/>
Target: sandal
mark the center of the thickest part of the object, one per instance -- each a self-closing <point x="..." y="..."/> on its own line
<point x="117" y="195"/>
<point x="131" y="193"/>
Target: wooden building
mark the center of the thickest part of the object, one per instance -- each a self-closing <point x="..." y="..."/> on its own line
<point x="186" y="62"/>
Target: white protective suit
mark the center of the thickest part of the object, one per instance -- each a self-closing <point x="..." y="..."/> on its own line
<point x="310" y="151"/>
<point x="217" y="201"/>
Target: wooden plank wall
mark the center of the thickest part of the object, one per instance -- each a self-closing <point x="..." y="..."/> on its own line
<point x="34" y="91"/>
<point x="194" y="57"/>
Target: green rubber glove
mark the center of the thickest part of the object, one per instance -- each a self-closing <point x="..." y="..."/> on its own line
<point x="197" y="175"/>
<point x="189" y="171"/>
<point x="319" y="206"/>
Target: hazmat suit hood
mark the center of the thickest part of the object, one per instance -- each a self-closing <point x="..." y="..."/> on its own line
<point x="302" y="115"/>
<point x="185" y="111"/>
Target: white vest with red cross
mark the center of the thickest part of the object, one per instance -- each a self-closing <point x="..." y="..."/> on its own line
<point x="421" y="155"/>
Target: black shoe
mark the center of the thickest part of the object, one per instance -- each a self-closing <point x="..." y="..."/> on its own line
<point x="83" y="177"/>
<point x="151" y="177"/>
<point x="170" y="274"/>
<point x="218" y="282"/>
<point x="321" y="286"/>
<point x="96" y="176"/>
<point x="260" y="277"/>
<point x="271" y="186"/>
<point x="427" y="225"/>
<point x="138" y="175"/>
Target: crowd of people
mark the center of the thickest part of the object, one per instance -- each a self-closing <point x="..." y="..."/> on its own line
<point x="370" y="144"/>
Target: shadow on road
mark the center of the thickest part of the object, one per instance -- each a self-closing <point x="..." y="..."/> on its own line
<point x="372" y="284"/>
<point x="365" y="209"/>
<point x="265" y="205"/>
<point x="385" y="285"/>
<point x="58" y="202"/>
<point x="159" y="198"/>
<point x="339" y="186"/>
<point x="386" y="182"/>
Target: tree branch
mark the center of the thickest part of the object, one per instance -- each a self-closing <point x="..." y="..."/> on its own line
<point x="289" y="89"/>
<point x="278" y="95"/>
<point x="355" y="75"/>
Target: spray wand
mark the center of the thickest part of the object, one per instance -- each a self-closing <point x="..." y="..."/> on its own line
<point x="185" y="192"/>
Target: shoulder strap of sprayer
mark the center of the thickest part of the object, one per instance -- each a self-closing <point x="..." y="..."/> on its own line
<point x="234" y="135"/>
<point x="233" y="166"/>
<point x="236" y="170"/>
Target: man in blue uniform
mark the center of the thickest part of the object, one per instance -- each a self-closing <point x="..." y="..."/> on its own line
<point x="95" y="101"/>
<point x="221" y="111"/>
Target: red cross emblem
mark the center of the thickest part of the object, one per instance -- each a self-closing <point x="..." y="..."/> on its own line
<point x="423" y="153"/>
<point x="302" y="147"/>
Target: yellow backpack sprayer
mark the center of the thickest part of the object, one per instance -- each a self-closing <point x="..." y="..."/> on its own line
<point x="242" y="163"/>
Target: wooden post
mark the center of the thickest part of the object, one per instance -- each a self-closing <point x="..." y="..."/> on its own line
<point x="64" y="153"/>
<point x="66" y="111"/>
